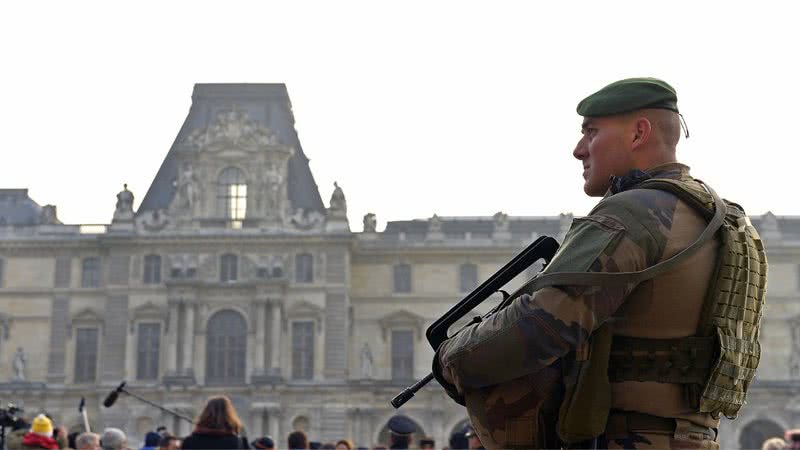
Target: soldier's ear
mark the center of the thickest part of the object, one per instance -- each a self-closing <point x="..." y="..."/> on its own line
<point x="642" y="129"/>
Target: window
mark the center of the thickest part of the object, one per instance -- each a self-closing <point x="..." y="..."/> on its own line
<point x="147" y="351"/>
<point x="402" y="354"/>
<point x="228" y="269"/>
<point x="86" y="355"/>
<point x="232" y="196"/>
<point x="304" y="268"/>
<point x="468" y="277"/>
<point x="90" y="274"/>
<point x="226" y="347"/>
<point x="152" y="269"/>
<point x="302" y="350"/>
<point x="402" y="278"/>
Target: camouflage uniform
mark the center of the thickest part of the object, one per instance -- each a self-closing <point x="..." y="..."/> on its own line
<point x="510" y="362"/>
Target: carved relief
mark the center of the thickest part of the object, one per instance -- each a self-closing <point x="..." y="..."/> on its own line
<point x="232" y="128"/>
<point x="306" y="220"/>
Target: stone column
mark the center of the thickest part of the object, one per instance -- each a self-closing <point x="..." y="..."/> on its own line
<point x="188" y="338"/>
<point x="275" y="354"/>
<point x="258" y="360"/>
<point x="172" y="337"/>
<point x="274" y="418"/>
<point x="257" y="419"/>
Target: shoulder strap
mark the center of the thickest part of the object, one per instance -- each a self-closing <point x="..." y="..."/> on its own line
<point x="618" y="278"/>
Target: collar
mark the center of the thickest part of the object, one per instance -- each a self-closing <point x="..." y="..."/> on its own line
<point x="671" y="170"/>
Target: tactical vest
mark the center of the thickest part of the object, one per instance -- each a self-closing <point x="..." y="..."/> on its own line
<point x="717" y="365"/>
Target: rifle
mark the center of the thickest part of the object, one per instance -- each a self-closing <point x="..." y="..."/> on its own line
<point x="544" y="248"/>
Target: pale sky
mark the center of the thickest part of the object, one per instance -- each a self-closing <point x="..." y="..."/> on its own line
<point x="455" y="108"/>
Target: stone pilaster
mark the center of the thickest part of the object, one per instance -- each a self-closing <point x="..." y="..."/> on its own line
<point x="335" y="335"/>
<point x="112" y="363"/>
<point x="59" y="323"/>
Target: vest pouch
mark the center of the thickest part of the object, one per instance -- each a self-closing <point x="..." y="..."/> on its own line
<point x="587" y="400"/>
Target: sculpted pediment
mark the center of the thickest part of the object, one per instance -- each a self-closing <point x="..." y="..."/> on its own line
<point x="232" y="129"/>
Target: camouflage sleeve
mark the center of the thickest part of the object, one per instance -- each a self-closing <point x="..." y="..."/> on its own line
<point x="620" y="235"/>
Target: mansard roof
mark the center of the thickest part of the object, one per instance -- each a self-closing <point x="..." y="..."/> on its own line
<point x="16" y="208"/>
<point x="266" y="105"/>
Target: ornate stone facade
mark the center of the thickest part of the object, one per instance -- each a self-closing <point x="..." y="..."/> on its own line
<point x="241" y="282"/>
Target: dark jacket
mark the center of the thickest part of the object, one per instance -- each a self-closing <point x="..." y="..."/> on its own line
<point x="214" y="440"/>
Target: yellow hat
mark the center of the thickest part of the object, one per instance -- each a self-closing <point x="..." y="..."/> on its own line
<point x="42" y="426"/>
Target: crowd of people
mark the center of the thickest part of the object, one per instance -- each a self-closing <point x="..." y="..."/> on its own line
<point x="217" y="427"/>
<point x="789" y="441"/>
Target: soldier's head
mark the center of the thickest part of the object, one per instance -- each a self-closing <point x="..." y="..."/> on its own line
<point x="401" y="430"/>
<point x="629" y="124"/>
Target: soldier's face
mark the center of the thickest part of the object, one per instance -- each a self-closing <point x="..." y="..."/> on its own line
<point x="604" y="152"/>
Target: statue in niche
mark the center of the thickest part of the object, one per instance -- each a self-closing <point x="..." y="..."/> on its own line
<point x="187" y="187"/>
<point x="18" y="364"/>
<point x="338" y="202"/>
<point x="370" y="223"/>
<point x="366" y="362"/>
<point x="274" y="179"/>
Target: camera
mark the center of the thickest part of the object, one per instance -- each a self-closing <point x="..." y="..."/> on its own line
<point x="8" y="415"/>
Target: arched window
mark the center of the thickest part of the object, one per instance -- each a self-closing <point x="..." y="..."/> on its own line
<point x="226" y="347"/>
<point x="152" y="269"/>
<point x="232" y="196"/>
<point x="228" y="268"/>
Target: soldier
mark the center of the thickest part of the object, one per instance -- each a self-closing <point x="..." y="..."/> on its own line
<point x="614" y="344"/>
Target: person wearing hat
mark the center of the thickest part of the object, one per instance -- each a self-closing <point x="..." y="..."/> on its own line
<point x="401" y="430"/>
<point x="264" y="443"/>
<point x="631" y="352"/>
<point x="40" y="435"/>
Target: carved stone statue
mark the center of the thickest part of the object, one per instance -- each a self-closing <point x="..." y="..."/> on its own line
<point x="366" y="362"/>
<point x="124" y="209"/>
<point x="338" y="202"/>
<point x="435" y="224"/>
<point x="274" y="182"/>
<point x="501" y="221"/>
<point x="370" y="223"/>
<point x="49" y="215"/>
<point x="186" y="188"/>
<point x="18" y="363"/>
<point x="125" y="200"/>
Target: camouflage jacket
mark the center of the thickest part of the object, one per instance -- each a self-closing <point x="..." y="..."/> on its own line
<point x="629" y="230"/>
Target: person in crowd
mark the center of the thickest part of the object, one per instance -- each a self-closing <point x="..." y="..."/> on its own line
<point x="775" y="443"/>
<point x="427" y="443"/>
<point x="264" y="443"/>
<point x="87" y="441"/>
<point x="162" y="430"/>
<point x="792" y="439"/>
<point x="71" y="439"/>
<point x="151" y="440"/>
<point x="113" y="439"/>
<point x="343" y="444"/>
<point x="458" y="440"/>
<point x="298" y="440"/>
<point x="401" y="430"/>
<point x="218" y="427"/>
<point x="473" y="440"/>
<point x="169" y="442"/>
<point x="41" y="436"/>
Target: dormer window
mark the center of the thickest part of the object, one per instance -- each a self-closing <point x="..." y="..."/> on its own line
<point x="232" y="196"/>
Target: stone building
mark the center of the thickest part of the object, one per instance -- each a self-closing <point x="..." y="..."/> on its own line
<point x="233" y="277"/>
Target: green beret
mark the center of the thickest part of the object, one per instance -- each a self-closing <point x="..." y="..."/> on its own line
<point x="629" y="95"/>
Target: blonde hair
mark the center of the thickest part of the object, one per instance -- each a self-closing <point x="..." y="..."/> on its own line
<point x="775" y="443"/>
<point x="345" y="442"/>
